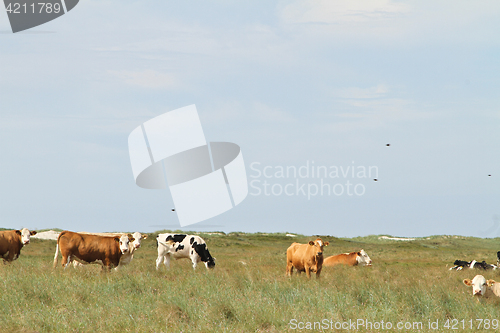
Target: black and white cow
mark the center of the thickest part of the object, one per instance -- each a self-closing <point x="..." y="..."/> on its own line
<point x="183" y="246"/>
<point x="461" y="264"/>
<point x="482" y="265"/>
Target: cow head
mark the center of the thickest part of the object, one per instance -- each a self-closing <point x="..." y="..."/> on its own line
<point x="363" y="259"/>
<point x="124" y="241"/>
<point x="25" y="235"/>
<point x="479" y="285"/>
<point x="138" y="237"/>
<point x="318" y="245"/>
<point x="204" y="254"/>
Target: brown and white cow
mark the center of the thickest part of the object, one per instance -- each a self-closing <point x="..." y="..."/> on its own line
<point x="352" y="259"/>
<point x="483" y="287"/>
<point x="91" y="248"/>
<point x="12" y="241"/>
<point x="127" y="257"/>
<point x="305" y="257"/>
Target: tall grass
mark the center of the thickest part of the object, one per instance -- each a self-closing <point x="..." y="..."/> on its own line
<point x="247" y="291"/>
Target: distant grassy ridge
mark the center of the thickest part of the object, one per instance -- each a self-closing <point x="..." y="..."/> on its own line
<point x="248" y="290"/>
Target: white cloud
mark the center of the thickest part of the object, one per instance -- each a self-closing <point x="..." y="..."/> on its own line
<point x="327" y="11"/>
<point x="377" y="91"/>
<point x="146" y="79"/>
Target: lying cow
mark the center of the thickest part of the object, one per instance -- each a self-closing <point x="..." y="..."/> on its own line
<point x="106" y="251"/>
<point x="461" y="264"/>
<point x="183" y="246"/>
<point x="483" y="287"/>
<point x="305" y="257"/>
<point x="482" y="265"/>
<point x="12" y="241"/>
<point x="352" y="259"/>
<point x="127" y="257"/>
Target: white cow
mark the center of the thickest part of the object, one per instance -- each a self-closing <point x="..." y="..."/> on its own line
<point x="127" y="257"/>
<point x="183" y="246"/>
<point x="483" y="287"/>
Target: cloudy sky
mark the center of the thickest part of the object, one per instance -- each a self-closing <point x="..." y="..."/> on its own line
<point x="296" y="84"/>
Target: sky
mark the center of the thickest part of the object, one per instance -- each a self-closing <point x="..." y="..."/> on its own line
<point x="298" y="85"/>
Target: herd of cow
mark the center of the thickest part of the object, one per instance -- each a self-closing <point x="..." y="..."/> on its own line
<point x="108" y="249"/>
<point x="117" y="249"/>
<point x="480" y="286"/>
<point x="309" y="258"/>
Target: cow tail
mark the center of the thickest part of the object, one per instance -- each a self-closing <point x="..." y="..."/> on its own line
<point x="56" y="256"/>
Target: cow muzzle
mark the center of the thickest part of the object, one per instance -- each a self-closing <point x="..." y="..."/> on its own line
<point x="319" y="254"/>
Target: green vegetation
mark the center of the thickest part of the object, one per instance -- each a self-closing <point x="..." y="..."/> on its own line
<point x="248" y="290"/>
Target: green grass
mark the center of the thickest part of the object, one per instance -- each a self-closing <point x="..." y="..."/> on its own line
<point x="248" y="290"/>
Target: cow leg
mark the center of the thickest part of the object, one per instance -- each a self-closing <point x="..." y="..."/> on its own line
<point x="166" y="261"/>
<point x="195" y="259"/>
<point x="158" y="261"/>
<point x="308" y="271"/>
<point x="65" y="260"/>
<point x="318" y="272"/>
<point x="11" y="255"/>
<point x="289" y="269"/>
<point x="106" y="265"/>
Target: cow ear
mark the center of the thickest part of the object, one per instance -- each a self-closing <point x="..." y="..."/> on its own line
<point x="131" y="239"/>
<point x="18" y="232"/>
<point x="117" y="239"/>
<point x="311" y="243"/>
<point x="144" y="236"/>
<point x="468" y="282"/>
<point x="490" y="282"/>
<point x="33" y="233"/>
<point x="327" y="243"/>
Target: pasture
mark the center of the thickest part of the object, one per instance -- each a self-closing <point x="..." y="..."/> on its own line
<point x="248" y="290"/>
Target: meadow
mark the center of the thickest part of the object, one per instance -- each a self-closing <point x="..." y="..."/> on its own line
<point x="409" y="283"/>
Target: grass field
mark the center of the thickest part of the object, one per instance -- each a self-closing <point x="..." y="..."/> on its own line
<point x="248" y="291"/>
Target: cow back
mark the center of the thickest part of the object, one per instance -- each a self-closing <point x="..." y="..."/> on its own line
<point x="341" y="259"/>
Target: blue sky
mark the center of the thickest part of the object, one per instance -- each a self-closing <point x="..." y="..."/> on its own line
<point x="291" y="82"/>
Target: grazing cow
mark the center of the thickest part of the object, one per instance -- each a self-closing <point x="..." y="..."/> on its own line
<point x="91" y="248"/>
<point x="352" y="259"/>
<point x="483" y="287"/>
<point x="127" y="257"/>
<point x="183" y="246"/>
<point x="12" y="241"/>
<point x="305" y="257"/>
